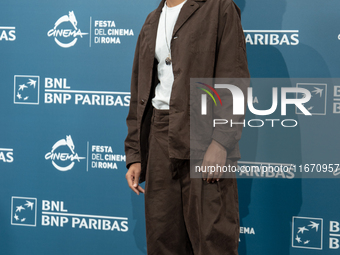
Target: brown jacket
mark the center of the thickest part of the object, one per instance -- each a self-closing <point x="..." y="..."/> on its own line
<point x="208" y="41"/>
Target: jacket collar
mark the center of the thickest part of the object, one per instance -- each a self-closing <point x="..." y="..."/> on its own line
<point x="185" y="9"/>
<point x="151" y="29"/>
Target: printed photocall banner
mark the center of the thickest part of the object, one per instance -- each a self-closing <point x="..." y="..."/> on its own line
<point x="65" y="93"/>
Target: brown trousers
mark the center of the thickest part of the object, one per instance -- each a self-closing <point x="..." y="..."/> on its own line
<point x="186" y="215"/>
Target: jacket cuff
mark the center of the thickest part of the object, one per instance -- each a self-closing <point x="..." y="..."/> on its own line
<point x="226" y="139"/>
<point x="131" y="159"/>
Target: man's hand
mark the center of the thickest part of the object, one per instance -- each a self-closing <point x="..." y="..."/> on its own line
<point x="132" y="177"/>
<point x="216" y="154"/>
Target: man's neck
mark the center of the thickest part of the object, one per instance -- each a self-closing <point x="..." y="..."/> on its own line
<point x="172" y="3"/>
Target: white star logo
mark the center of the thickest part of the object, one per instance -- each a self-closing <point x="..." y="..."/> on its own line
<point x="302" y="229"/>
<point x="314" y="225"/>
<point x="32" y="82"/>
<point x="19" y="208"/>
<point x="22" y="87"/>
<point x="298" y="239"/>
<point x="29" y="204"/>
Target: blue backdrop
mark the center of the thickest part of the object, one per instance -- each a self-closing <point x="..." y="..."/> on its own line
<point x="64" y="96"/>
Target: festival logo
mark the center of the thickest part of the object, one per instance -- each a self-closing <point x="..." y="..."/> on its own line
<point x="107" y="32"/>
<point x="65" y="36"/>
<point x="63" y="155"/>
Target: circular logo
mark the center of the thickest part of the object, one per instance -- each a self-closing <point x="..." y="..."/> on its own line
<point x="66" y="33"/>
<point x="57" y="157"/>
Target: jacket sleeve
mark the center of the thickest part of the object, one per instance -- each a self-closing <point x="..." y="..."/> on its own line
<point x="132" y="150"/>
<point x="231" y="63"/>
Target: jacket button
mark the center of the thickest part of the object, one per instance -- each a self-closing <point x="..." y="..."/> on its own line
<point x="142" y="101"/>
<point x="175" y="37"/>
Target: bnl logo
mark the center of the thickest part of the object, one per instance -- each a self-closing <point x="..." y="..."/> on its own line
<point x="307" y="233"/>
<point x="317" y="104"/>
<point x="24" y="211"/>
<point x="26" y="89"/>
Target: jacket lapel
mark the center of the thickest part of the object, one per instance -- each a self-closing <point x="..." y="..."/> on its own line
<point x="187" y="10"/>
<point x="151" y="28"/>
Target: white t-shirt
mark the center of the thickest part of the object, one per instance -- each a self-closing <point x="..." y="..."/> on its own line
<point x="165" y="73"/>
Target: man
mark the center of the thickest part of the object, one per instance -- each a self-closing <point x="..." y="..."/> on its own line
<point x="182" y="40"/>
